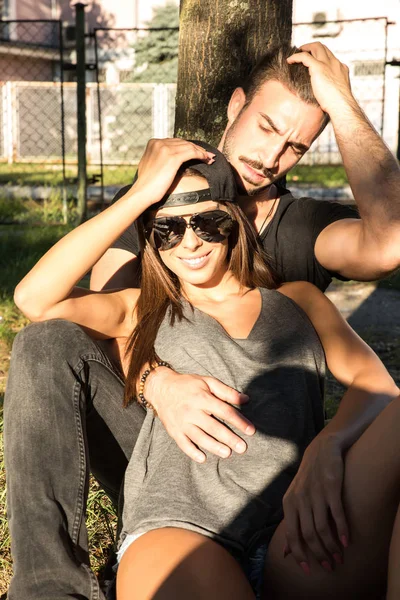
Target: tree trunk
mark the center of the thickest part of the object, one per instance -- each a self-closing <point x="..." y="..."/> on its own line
<point x="219" y="42"/>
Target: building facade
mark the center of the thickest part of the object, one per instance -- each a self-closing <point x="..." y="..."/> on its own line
<point x="29" y="49"/>
<point x="366" y="37"/>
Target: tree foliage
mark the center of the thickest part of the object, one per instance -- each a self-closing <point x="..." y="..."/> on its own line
<point x="156" y="52"/>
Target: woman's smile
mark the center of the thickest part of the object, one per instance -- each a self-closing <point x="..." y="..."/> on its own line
<point x="196" y="262"/>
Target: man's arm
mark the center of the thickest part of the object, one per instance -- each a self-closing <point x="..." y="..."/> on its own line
<point x="368" y="248"/>
<point x="117" y="268"/>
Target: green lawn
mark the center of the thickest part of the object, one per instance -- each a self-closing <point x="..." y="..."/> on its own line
<point x="318" y="175"/>
<point x="43" y="174"/>
<point x="51" y="175"/>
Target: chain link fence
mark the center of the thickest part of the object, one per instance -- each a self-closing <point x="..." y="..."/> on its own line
<point x="31" y="95"/>
<point x="135" y="96"/>
<point x="128" y="103"/>
<point x="131" y="113"/>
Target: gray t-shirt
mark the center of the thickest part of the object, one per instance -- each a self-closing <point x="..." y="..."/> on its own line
<point x="281" y="366"/>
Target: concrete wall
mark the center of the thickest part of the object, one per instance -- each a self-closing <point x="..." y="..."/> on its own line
<point x="28" y="9"/>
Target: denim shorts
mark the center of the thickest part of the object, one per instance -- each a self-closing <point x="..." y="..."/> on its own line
<point x="130" y="538"/>
<point x="253" y="567"/>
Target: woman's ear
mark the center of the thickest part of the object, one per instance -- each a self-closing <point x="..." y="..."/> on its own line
<point x="236" y="103"/>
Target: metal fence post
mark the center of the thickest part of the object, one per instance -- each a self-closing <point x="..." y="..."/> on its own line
<point x="12" y="123"/>
<point x="96" y="54"/>
<point x="64" y="186"/>
<point x="81" y="107"/>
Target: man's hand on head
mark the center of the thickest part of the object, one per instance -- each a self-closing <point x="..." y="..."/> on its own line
<point x="329" y="77"/>
<point x="191" y="409"/>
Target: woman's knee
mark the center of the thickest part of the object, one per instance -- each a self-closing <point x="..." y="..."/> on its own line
<point x="175" y="564"/>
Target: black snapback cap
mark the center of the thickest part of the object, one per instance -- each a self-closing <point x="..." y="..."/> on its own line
<point x="219" y="176"/>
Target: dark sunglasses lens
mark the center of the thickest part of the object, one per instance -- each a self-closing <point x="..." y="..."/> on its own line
<point x="167" y="232"/>
<point x="213" y="225"/>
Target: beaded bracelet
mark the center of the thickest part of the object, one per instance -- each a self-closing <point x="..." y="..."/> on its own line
<point x="140" y="396"/>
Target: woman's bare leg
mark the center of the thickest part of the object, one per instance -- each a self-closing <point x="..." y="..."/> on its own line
<point x="176" y="564"/>
<point x="371" y="496"/>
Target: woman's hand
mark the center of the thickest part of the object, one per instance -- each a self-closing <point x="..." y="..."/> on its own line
<point x="160" y="162"/>
<point x="314" y="515"/>
<point x="189" y="407"/>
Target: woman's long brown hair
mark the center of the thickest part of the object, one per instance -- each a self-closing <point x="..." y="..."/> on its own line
<point x="160" y="290"/>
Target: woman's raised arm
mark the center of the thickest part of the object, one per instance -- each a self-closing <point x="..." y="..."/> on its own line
<point x="42" y="293"/>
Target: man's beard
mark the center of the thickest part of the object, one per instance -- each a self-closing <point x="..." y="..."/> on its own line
<point x="228" y="151"/>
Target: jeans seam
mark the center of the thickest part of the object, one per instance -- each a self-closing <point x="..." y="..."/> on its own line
<point x="79" y="516"/>
<point x="94" y="584"/>
<point x="99" y="358"/>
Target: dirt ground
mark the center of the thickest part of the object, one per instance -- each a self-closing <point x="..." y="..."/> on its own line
<point x="365" y="306"/>
<point x="375" y="314"/>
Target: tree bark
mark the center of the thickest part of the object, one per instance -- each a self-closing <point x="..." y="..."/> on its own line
<point x="219" y="42"/>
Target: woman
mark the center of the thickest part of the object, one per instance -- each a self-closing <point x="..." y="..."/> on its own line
<point x="208" y="300"/>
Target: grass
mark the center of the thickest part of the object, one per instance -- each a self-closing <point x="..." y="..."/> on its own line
<point x="5" y="556"/>
<point x="51" y="175"/>
<point x="20" y="248"/>
<point x="387" y="347"/>
<point x="318" y="175"/>
<point x="392" y="282"/>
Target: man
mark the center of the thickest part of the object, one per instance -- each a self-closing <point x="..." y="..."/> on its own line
<point x="60" y="392"/>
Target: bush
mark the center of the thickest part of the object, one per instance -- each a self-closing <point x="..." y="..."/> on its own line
<point x="12" y="211"/>
<point x="53" y="209"/>
<point x="31" y="212"/>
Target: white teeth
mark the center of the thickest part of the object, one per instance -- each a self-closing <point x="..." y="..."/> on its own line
<point x="194" y="261"/>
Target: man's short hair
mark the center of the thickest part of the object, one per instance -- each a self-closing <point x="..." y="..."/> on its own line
<point x="274" y="66"/>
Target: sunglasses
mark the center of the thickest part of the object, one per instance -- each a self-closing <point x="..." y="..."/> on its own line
<point x="164" y="233"/>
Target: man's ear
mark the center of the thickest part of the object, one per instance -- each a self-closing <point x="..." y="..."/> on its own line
<point x="236" y="103"/>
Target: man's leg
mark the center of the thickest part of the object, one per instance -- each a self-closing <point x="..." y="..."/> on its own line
<point x="62" y="397"/>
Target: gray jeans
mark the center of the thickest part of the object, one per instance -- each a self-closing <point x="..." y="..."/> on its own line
<point x="63" y="416"/>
